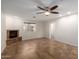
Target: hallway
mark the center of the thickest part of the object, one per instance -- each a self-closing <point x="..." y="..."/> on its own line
<point x="40" y="48"/>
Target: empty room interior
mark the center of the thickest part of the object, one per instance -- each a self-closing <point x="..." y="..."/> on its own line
<point x="39" y="29"/>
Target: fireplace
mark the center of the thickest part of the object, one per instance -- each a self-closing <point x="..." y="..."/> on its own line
<point x="13" y="37"/>
<point x="12" y="34"/>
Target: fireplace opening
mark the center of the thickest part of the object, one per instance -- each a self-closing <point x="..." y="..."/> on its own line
<point x="12" y="33"/>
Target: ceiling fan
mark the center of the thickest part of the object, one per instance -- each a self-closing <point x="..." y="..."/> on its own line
<point x="48" y="10"/>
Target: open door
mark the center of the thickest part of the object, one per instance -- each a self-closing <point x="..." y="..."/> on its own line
<point x="51" y="31"/>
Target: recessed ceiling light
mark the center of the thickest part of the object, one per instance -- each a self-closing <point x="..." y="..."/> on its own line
<point x="68" y="12"/>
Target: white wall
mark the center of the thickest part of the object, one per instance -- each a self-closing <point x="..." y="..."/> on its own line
<point x="66" y="29"/>
<point x="13" y="22"/>
<point x="46" y="29"/>
<point x="37" y="34"/>
<point x="3" y="32"/>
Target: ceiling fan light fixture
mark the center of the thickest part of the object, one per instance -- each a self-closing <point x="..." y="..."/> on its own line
<point x="47" y="13"/>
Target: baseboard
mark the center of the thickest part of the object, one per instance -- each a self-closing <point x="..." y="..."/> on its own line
<point x="38" y="38"/>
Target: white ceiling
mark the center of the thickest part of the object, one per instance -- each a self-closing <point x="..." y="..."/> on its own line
<point x="26" y="9"/>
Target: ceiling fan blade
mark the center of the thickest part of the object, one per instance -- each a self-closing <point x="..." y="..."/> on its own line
<point x="41" y="8"/>
<point x="54" y="7"/>
<point x="55" y="12"/>
<point x="40" y="12"/>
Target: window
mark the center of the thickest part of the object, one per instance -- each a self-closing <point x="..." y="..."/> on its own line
<point x="31" y="27"/>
